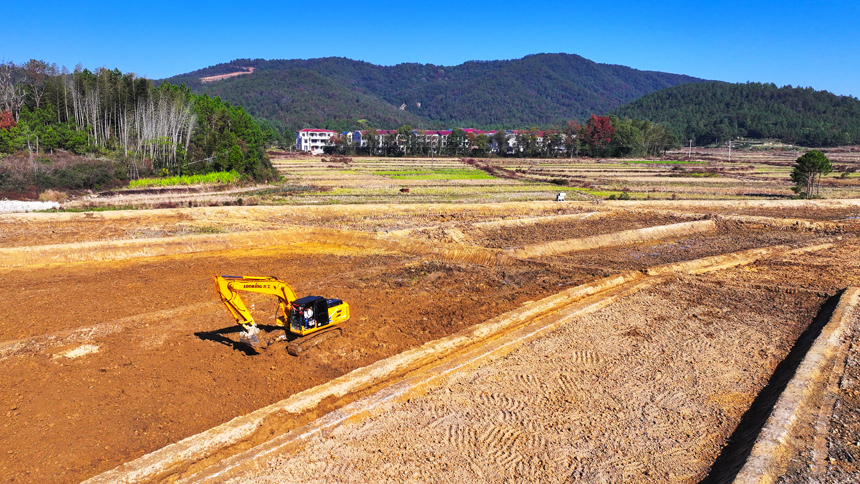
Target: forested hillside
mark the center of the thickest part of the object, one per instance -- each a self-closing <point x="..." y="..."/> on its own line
<point x="283" y="97"/>
<point x="132" y="128"/>
<point x="718" y="111"/>
<point x="537" y="90"/>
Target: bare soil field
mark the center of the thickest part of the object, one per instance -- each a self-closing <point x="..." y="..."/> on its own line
<point x="548" y="231"/>
<point x="105" y="361"/>
<point x="644" y="390"/>
<point x="166" y="367"/>
<point x="642" y="256"/>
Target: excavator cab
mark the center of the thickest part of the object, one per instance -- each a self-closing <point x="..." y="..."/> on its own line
<point x="312" y="313"/>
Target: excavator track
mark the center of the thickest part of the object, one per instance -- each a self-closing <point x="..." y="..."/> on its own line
<point x="300" y="345"/>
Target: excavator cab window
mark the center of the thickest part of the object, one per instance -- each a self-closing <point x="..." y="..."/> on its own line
<point x="321" y="312"/>
<point x="309" y="312"/>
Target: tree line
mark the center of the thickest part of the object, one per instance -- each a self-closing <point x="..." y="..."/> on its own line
<point x="143" y="128"/>
<point x="599" y="136"/>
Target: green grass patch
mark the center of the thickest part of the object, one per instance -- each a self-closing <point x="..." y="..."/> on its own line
<point x="205" y="229"/>
<point x="216" y="177"/>
<point x="703" y="174"/>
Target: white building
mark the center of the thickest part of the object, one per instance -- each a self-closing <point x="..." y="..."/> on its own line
<point x="313" y="140"/>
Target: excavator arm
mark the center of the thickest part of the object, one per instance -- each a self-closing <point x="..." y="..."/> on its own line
<point x="228" y="288"/>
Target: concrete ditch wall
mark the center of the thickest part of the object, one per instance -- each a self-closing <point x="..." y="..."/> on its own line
<point x="773" y="447"/>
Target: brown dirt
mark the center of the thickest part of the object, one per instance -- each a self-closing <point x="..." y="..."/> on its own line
<point x="18" y="230"/>
<point x="642" y="256"/>
<point x="166" y="367"/>
<point x="15" y="232"/>
<point x="162" y="372"/>
<point x="521" y="236"/>
<point x="816" y="214"/>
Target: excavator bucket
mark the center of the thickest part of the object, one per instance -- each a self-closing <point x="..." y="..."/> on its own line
<point x="250" y="337"/>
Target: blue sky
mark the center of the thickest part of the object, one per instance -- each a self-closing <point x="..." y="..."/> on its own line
<point x="801" y="43"/>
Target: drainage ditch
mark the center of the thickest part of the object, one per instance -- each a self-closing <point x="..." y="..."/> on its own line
<point x="739" y="445"/>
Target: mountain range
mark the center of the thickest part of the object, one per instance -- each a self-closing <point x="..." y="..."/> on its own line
<point x="541" y="90"/>
<point x="339" y="93"/>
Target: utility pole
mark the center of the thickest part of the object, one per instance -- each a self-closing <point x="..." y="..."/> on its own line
<point x="730" y="150"/>
<point x="690" y="150"/>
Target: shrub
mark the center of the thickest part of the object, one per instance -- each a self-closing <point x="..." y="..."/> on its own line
<point x="53" y="196"/>
<point x="84" y="176"/>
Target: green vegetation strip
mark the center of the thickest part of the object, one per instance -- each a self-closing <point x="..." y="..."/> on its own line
<point x="217" y="177"/>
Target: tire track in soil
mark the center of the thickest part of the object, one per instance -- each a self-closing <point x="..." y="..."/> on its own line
<point x="616" y="425"/>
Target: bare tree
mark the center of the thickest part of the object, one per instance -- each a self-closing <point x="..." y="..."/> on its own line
<point x="155" y="124"/>
<point x="35" y="75"/>
<point x="12" y="93"/>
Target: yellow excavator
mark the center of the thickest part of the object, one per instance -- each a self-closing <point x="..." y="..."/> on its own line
<point x="311" y="318"/>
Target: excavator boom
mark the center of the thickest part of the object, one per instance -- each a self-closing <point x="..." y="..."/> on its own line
<point x="228" y="288"/>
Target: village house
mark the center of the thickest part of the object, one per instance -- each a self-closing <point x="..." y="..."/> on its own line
<point x="313" y="140"/>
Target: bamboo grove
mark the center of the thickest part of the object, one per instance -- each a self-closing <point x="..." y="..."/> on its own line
<point x="147" y="128"/>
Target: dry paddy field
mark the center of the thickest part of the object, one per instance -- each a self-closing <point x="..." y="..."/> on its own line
<point x="518" y="341"/>
<point x="705" y="175"/>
